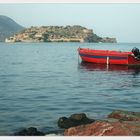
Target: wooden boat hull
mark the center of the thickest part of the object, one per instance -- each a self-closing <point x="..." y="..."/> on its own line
<point x="108" y="57"/>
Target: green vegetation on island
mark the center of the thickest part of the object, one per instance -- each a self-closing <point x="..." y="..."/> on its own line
<point x="68" y="33"/>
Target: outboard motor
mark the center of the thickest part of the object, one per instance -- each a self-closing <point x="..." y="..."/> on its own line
<point x="136" y="53"/>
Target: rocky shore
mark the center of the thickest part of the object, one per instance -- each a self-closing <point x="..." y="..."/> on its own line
<point x="118" y="123"/>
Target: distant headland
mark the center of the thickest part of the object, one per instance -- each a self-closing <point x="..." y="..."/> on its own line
<point x="8" y="27"/>
<point x="10" y="31"/>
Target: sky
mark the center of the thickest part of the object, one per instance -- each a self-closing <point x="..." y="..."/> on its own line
<point x="121" y="21"/>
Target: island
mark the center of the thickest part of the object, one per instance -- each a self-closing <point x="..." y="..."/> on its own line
<point x="75" y="33"/>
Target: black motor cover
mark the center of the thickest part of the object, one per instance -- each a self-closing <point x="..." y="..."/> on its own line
<point x="136" y="52"/>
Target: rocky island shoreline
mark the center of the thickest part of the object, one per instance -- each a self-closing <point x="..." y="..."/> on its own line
<point x="117" y="123"/>
<point x="68" y="33"/>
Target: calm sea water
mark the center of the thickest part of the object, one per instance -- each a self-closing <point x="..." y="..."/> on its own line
<point x="44" y="81"/>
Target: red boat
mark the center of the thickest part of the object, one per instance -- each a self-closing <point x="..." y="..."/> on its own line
<point x="110" y="57"/>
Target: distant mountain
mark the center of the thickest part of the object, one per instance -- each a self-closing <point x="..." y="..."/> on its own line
<point x="8" y="27"/>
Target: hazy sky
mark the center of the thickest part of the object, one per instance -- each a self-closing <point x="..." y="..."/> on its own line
<point x="113" y="20"/>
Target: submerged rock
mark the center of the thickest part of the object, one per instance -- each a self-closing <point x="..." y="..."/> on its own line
<point x="74" y="120"/>
<point x="125" y="115"/>
<point x="104" y="128"/>
<point x="31" y="131"/>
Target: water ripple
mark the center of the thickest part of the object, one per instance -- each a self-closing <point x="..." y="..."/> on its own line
<point x="38" y="89"/>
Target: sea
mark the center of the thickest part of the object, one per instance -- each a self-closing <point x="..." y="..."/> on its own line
<point x="41" y="82"/>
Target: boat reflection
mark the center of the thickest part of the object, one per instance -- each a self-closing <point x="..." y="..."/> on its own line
<point x="115" y="68"/>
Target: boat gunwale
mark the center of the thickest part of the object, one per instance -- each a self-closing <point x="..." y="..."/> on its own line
<point x="104" y="52"/>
